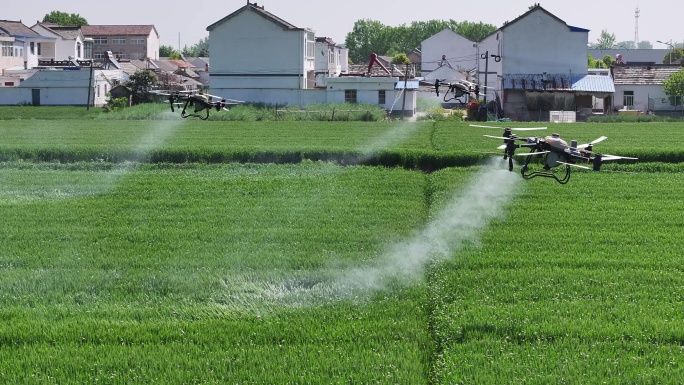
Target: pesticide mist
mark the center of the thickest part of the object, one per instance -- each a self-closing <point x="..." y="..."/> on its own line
<point x="465" y="216"/>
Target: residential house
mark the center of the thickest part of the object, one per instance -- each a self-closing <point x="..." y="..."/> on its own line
<point x="124" y="41"/>
<point x="68" y="43"/>
<point x="69" y="85"/>
<point x="260" y="53"/>
<point x="21" y="46"/>
<point x="639" y="88"/>
<point x="331" y="60"/>
<point x="259" y="57"/>
<point x="447" y="48"/>
<point x="541" y="66"/>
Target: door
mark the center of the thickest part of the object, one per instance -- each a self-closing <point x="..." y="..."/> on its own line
<point x="35" y="96"/>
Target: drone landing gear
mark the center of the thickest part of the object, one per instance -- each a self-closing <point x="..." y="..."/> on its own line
<point x="546" y="174"/>
<point x="198" y="109"/>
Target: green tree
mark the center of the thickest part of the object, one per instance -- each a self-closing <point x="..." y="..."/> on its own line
<point x="142" y="81"/>
<point x="63" y="18"/>
<point x="673" y="55"/>
<point x="674" y="87"/>
<point x="166" y="51"/>
<point x="201" y="49"/>
<point x="645" y="44"/>
<point x="369" y="36"/>
<point x="608" y="61"/>
<point x="401" y="59"/>
<point x="605" y="41"/>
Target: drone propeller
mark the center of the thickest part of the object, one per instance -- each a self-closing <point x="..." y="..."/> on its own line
<point x="575" y="165"/>
<point x="533" y="153"/>
<point x="588" y="146"/>
<point x="591" y="169"/>
<point x="606" y="157"/>
<point x="511" y="128"/>
<point x="506" y="138"/>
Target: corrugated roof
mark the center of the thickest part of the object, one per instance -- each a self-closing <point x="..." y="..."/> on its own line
<point x="654" y="74"/>
<point x="118" y="30"/>
<point x="559" y="82"/>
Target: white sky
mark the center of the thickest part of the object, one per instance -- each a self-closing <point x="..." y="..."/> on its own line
<point x="660" y="19"/>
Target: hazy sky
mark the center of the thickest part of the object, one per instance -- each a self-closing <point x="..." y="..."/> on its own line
<point x="659" y="20"/>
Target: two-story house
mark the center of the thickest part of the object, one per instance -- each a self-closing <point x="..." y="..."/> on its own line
<point x="21" y="46"/>
<point x="541" y="66"/>
<point x="68" y="43"/>
<point x="258" y="57"/>
<point x="261" y="54"/>
<point x="124" y="41"/>
<point x="331" y="60"/>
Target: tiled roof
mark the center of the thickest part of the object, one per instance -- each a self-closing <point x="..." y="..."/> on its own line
<point x="69" y="33"/>
<point x="559" y="82"/>
<point x="654" y="74"/>
<point x="16" y="28"/>
<point x="118" y="30"/>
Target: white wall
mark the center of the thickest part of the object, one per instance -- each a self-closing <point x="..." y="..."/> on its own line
<point x="248" y="51"/>
<point x="540" y="43"/>
<point x="641" y="95"/>
<point x="60" y="87"/>
<point x="153" y="45"/>
<point x="458" y="50"/>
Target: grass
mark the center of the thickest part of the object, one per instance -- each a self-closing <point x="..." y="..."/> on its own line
<point x="175" y="272"/>
<point x="204" y="274"/>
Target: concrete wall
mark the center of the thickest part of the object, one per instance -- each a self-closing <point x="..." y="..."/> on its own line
<point x="61" y="88"/>
<point x="540" y="43"/>
<point x="249" y="51"/>
<point x="458" y="50"/>
<point x="641" y="95"/>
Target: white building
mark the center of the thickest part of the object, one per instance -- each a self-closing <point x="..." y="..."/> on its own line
<point x="61" y="87"/>
<point x="639" y="88"/>
<point x="447" y="48"/>
<point x="68" y="43"/>
<point x="542" y="67"/>
<point x="21" y="46"/>
<point x="258" y="57"/>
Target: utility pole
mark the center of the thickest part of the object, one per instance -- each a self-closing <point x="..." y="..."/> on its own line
<point x="486" y="57"/>
<point x="403" y="108"/>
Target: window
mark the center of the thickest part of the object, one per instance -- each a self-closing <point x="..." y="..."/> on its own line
<point x="33" y="48"/>
<point x="350" y="96"/>
<point x="310" y="44"/>
<point x="675" y="100"/>
<point x="39" y="49"/>
<point x="78" y="50"/>
<point x="9" y="84"/>
<point x="137" y="41"/>
<point x="382" y="97"/>
<point x="99" y="40"/>
<point x="99" y="55"/>
<point x="119" y="40"/>
<point x="628" y="98"/>
<point x="7" y="49"/>
<point x="137" y="55"/>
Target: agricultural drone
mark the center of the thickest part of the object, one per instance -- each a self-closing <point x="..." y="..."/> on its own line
<point x="553" y="151"/>
<point x="201" y="103"/>
<point x="456" y="90"/>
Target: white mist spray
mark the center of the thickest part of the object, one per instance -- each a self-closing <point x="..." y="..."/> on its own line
<point x="462" y="220"/>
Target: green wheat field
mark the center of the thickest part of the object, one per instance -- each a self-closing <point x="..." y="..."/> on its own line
<point x="188" y="252"/>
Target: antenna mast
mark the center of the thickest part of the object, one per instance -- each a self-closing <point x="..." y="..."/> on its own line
<point x="637" y="13"/>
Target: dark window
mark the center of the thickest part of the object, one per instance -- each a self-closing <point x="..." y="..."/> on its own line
<point x="350" y="96"/>
<point x="628" y="98"/>
<point x="382" y="97"/>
